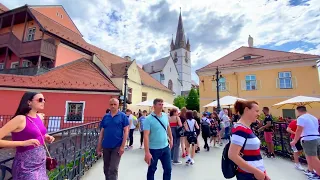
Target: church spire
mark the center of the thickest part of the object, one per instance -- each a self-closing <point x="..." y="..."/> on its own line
<point x="172" y="44"/>
<point x="180" y="37"/>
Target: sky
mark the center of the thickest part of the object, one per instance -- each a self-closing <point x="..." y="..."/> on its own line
<point x="142" y="29"/>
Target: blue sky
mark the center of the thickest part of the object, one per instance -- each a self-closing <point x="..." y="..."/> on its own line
<point x="143" y="29"/>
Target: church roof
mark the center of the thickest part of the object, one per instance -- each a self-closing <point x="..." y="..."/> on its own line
<point x="250" y="55"/>
<point x="156" y="66"/>
<point x="180" y="36"/>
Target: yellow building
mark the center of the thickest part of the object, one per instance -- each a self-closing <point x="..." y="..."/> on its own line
<point x="141" y="86"/>
<point x="267" y="76"/>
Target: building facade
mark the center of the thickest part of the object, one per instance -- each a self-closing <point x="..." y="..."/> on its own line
<point x="179" y="58"/>
<point x="267" y="76"/>
<point x="41" y="49"/>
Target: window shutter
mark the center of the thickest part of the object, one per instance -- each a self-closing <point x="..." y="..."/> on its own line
<point x="294" y="82"/>
<point x="243" y="85"/>
<point x="227" y="86"/>
<point x="214" y="85"/>
<point x="277" y="83"/>
<point x="258" y="84"/>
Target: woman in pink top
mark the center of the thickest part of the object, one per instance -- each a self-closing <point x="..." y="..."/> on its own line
<point x="28" y="136"/>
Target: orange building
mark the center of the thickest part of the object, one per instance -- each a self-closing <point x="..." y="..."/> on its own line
<point x="41" y="49"/>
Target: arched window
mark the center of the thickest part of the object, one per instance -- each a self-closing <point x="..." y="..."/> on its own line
<point x="170" y="85"/>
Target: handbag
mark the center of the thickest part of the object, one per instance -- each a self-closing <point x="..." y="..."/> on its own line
<point x="51" y="163"/>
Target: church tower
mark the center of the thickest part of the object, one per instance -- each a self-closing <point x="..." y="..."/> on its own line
<point x="180" y="52"/>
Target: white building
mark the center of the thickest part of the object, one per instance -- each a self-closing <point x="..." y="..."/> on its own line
<point x="174" y="71"/>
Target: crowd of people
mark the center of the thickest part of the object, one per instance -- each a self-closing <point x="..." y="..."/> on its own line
<point x="167" y="137"/>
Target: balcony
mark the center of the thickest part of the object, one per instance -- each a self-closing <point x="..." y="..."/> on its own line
<point x="27" y="71"/>
<point x="27" y="49"/>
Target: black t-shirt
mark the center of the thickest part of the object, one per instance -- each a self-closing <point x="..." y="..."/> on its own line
<point x="236" y="117"/>
<point x="267" y="119"/>
<point x="182" y="119"/>
<point x="197" y="119"/>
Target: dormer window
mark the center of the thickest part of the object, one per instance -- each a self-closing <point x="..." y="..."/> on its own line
<point x="246" y="57"/>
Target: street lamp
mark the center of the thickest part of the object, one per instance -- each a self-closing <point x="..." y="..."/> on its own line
<point x="125" y="90"/>
<point x="217" y="78"/>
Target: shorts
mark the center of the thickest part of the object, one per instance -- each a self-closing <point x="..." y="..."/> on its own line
<point x="268" y="137"/>
<point x="297" y="147"/>
<point x="311" y="147"/>
<point x="245" y="176"/>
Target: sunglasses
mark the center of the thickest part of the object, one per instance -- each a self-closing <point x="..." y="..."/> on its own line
<point x="41" y="100"/>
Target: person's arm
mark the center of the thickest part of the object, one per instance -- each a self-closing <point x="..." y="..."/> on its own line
<point x="289" y="130"/>
<point x="298" y="133"/>
<point x="9" y="127"/>
<point x="125" y="136"/>
<point x="197" y="126"/>
<point x="179" y="122"/>
<point x="146" y="133"/>
<point x="99" y="146"/>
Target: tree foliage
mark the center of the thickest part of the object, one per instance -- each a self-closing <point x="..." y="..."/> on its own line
<point x="193" y="100"/>
<point x="180" y="102"/>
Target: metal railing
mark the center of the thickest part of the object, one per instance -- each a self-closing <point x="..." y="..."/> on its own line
<point x="57" y="123"/>
<point x="74" y="149"/>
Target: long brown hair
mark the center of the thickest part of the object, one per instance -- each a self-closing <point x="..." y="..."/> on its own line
<point x="183" y="112"/>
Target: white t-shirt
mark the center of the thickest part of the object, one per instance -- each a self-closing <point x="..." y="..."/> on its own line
<point x="130" y="118"/>
<point x="226" y="120"/>
<point x="310" y="126"/>
<point x="191" y="123"/>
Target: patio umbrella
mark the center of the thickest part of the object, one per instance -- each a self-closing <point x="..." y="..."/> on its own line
<point x="224" y="101"/>
<point x="149" y="103"/>
<point x="298" y="101"/>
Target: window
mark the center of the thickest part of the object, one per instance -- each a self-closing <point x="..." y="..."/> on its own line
<point x="222" y="84"/>
<point x="285" y="81"/>
<point x="129" y="94"/>
<point x="1" y="65"/>
<point x="14" y="65"/>
<point x="251" y="82"/>
<point x="75" y="111"/>
<point x="289" y="113"/>
<point x="247" y="57"/>
<point x="162" y="76"/>
<point x="144" y="96"/>
<point x="186" y="58"/>
<point x="31" y="33"/>
<point x="170" y="85"/>
<point x="26" y="63"/>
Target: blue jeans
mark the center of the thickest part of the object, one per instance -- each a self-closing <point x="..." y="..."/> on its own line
<point x="226" y="132"/>
<point x="176" y="145"/>
<point x="164" y="156"/>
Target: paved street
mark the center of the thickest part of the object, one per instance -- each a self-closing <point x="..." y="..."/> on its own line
<point x="207" y="167"/>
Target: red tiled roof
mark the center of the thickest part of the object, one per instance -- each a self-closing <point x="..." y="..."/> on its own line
<point x="262" y="56"/>
<point x="105" y="57"/>
<point x="81" y="74"/>
<point x="3" y="8"/>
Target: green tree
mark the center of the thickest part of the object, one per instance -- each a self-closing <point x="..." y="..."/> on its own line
<point x="193" y="100"/>
<point x="180" y="102"/>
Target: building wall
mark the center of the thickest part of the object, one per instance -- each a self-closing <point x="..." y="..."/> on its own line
<point x="184" y="68"/>
<point x="170" y="72"/>
<point x="10" y="60"/>
<point x="66" y="54"/>
<point x="305" y="83"/>
<point x="95" y="104"/>
<point x="18" y="30"/>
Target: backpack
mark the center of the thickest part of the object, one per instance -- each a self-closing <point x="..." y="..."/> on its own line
<point x="228" y="167"/>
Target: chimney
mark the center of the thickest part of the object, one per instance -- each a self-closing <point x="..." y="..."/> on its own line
<point x="250" y="41"/>
<point x="128" y="58"/>
<point x="152" y="69"/>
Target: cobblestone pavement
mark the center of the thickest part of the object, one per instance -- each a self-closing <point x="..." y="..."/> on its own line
<point x="207" y="167"/>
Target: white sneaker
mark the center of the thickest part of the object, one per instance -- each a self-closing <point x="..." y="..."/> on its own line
<point x="192" y="162"/>
<point x="299" y="167"/>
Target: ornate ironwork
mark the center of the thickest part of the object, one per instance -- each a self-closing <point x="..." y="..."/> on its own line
<point x="74" y="150"/>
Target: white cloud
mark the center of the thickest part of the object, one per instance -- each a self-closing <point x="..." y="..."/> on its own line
<point x="218" y="27"/>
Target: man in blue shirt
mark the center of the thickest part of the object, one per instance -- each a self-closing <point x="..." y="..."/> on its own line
<point x="112" y="139"/>
<point x="156" y="132"/>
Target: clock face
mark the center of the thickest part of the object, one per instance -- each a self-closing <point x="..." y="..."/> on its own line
<point x="175" y="60"/>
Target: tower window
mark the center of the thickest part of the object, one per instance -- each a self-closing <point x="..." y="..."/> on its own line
<point x="247" y="57"/>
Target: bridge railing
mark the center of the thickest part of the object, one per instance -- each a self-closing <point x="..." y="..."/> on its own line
<point x="74" y="149"/>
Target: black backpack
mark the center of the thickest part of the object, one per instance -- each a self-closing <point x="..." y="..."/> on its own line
<point x="228" y="167"/>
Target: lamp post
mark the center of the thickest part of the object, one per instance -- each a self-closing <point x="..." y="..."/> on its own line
<point x="125" y="89"/>
<point x="217" y="77"/>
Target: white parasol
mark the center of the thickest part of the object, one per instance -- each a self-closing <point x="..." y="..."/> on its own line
<point x="298" y="101"/>
<point x="225" y="101"/>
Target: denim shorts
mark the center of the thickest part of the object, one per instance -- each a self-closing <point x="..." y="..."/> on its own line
<point x="245" y="176"/>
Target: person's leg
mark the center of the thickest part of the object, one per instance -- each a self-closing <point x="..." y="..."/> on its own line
<point x="106" y="162"/>
<point x="311" y="151"/>
<point x="114" y="164"/>
<point x="131" y="137"/>
<point x="187" y="151"/>
<point x="154" y="162"/>
<point x="193" y="150"/>
<point x="182" y="143"/>
<point x="141" y="139"/>
<point x="166" y="163"/>
<point x="176" y="145"/>
<point x="226" y="133"/>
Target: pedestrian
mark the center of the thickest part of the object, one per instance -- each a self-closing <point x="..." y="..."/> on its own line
<point x="176" y="125"/>
<point x="197" y="118"/>
<point x="156" y="143"/>
<point x="245" y="142"/>
<point x="205" y="130"/>
<point x="183" y="138"/>
<point x="268" y="132"/>
<point x="132" y="126"/>
<point x="112" y="139"/>
<point x="28" y="137"/>
<point x="307" y="130"/>
<point x="190" y="126"/>
<point x="141" y="120"/>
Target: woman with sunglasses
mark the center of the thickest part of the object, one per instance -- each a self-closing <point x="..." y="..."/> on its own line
<point x="28" y="136"/>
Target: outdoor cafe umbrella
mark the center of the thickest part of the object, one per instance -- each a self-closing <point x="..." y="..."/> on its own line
<point x="225" y="101"/>
<point x="298" y="101"/>
<point x="149" y="103"/>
